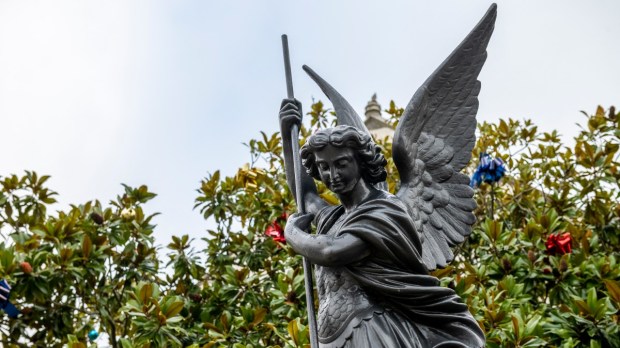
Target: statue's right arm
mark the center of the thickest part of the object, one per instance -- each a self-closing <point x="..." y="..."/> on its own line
<point x="321" y="249"/>
<point x="290" y="114"/>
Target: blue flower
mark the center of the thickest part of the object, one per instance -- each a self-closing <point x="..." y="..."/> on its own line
<point x="5" y="295"/>
<point x="489" y="170"/>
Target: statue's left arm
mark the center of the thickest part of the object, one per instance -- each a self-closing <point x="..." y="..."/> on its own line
<point x="324" y="250"/>
<point x="290" y="113"/>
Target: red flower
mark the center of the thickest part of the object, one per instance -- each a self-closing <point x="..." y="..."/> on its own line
<point x="275" y="231"/>
<point x="559" y="244"/>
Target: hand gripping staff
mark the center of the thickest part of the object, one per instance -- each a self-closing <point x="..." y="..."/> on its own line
<point x="314" y="339"/>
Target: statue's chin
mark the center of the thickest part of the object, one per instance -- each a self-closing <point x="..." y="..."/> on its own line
<point x="339" y="189"/>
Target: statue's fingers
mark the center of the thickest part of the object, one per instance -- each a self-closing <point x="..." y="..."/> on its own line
<point x="288" y="119"/>
<point x="289" y="110"/>
<point x="2" y="298"/>
<point x="290" y="113"/>
<point x="289" y="107"/>
<point x="285" y="102"/>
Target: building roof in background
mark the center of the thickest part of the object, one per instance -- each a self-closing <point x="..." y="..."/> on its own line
<point x="376" y="124"/>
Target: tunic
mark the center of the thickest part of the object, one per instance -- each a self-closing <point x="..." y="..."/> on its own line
<point x="388" y="299"/>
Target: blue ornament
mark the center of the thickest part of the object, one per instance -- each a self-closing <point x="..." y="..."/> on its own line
<point x="5" y="295"/>
<point x="490" y="170"/>
<point x="93" y="335"/>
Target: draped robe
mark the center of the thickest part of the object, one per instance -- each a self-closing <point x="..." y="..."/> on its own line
<point x="418" y="312"/>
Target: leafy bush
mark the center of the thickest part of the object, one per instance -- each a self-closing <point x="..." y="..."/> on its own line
<point x="75" y="271"/>
<point x="541" y="268"/>
<point x="525" y="291"/>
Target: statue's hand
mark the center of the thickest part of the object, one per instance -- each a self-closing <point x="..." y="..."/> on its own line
<point x="290" y="113"/>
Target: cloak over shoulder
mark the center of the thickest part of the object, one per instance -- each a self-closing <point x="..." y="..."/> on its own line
<point x="395" y="274"/>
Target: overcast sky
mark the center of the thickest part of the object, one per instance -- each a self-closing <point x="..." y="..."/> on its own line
<point x="99" y="93"/>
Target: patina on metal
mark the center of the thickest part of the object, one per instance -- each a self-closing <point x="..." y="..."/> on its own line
<point x="373" y="252"/>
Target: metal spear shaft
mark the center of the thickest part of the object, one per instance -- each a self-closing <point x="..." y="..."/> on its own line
<point x="314" y="340"/>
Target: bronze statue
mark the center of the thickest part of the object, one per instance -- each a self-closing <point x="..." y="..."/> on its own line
<point x="373" y="253"/>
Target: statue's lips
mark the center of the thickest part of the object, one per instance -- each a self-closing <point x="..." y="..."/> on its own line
<point x="337" y="184"/>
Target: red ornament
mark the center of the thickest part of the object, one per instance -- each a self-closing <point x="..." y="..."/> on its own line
<point x="559" y="244"/>
<point x="283" y="217"/>
<point x="26" y="268"/>
<point x="275" y="231"/>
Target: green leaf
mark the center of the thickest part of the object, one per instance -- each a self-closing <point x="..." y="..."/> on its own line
<point x="293" y="331"/>
<point x="87" y="246"/>
<point x="126" y="343"/>
<point x="516" y="327"/>
<point x="613" y="288"/>
<point x="259" y="315"/>
<point x="174" y="309"/>
<point x="146" y="291"/>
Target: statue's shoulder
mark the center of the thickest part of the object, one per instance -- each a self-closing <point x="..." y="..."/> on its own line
<point x="379" y="203"/>
<point x="384" y="199"/>
<point x="326" y="217"/>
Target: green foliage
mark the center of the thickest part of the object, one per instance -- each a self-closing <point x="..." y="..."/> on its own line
<point x="82" y="263"/>
<point x="522" y="295"/>
<point x="96" y="266"/>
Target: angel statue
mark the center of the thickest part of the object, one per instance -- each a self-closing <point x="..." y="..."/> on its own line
<point x="373" y="252"/>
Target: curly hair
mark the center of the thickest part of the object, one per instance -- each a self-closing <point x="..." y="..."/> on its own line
<point x="367" y="153"/>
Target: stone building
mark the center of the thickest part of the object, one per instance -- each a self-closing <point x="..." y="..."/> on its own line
<point x="376" y="124"/>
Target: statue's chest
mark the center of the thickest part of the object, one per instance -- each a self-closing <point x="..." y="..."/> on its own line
<point x="340" y="298"/>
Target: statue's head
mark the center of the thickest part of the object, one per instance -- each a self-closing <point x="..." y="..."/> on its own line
<point x="367" y="155"/>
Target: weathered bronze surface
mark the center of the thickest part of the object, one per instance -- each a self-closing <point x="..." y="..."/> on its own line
<point x="373" y="253"/>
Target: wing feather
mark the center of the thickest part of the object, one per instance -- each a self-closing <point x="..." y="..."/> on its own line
<point x="433" y="143"/>
<point x="437" y="249"/>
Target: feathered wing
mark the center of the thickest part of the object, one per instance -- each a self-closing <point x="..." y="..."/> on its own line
<point x="345" y="114"/>
<point x="433" y="143"/>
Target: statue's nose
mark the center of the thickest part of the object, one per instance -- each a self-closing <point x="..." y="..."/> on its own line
<point x="333" y="172"/>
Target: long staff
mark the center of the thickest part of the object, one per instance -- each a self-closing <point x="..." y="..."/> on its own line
<point x="314" y="340"/>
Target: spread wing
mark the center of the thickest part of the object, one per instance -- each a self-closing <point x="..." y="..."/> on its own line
<point x="345" y="114"/>
<point x="433" y="142"/>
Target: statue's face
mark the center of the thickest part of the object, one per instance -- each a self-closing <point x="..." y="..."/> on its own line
<point x="338" y="168"/>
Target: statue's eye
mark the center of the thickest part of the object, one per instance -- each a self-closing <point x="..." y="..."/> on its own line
<point x="342" y="163"/>
<point x="323" y="166"/>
